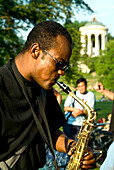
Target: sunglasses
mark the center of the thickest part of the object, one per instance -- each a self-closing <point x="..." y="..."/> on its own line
<point x="60" y="65"/>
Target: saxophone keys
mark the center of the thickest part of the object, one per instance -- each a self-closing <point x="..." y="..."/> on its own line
<point x="86" y="154"/>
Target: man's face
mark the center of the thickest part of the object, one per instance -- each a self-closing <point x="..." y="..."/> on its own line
<point x="82" y="87"/>
<point x="45" y="70"/>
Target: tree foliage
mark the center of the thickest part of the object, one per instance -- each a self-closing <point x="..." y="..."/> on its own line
<point x="104" y="66"/>
<point x="73" y="72"/>
<point x="10" y="45"/>
<point x="14" y="13"/>
<point x="17" y="15"/>
<point x="110" y="37"/>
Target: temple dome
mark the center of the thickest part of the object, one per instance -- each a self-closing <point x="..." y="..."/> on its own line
<point x="93" y="25"/>
<point x="94" y="22"/>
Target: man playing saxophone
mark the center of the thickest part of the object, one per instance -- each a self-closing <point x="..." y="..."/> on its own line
<point x="30" y="115"/>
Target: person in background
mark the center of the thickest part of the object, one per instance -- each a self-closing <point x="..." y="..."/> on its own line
<point x="101" y="120"/>
<point x="30" y="116"/>
<point x="100" y="88"/>
<point x="108" y="163"/>
<point x="107" y="126"/>
<point x="74" y="112"/>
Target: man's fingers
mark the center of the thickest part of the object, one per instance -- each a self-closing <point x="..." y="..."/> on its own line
<point x="88" y="164"/>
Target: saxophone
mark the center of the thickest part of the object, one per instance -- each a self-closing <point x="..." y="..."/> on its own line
<point x="83" y="136"/>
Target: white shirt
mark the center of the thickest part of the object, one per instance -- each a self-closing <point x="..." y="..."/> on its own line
<point x="108" y="163"/>
<point x="89" y="97"/>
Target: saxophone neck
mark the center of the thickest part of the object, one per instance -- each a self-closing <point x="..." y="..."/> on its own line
<point x="63" y="87"/>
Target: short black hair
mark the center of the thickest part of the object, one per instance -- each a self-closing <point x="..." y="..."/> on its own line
<point x="81" y="80"/>
<point x="45" y="34"/>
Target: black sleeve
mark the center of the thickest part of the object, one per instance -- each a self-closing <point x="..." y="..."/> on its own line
<point x="112" y="119"/>
<point x="54" y="114"/>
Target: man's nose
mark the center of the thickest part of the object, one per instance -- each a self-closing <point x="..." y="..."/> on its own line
<point x="61" y="72"/>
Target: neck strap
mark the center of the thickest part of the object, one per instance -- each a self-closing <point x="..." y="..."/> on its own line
<point x="42" y="112"/>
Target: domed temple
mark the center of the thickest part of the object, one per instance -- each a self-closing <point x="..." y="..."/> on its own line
<point x="93" y="38"/>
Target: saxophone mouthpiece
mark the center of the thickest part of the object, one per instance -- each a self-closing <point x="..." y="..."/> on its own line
<point x="63" y="87"/>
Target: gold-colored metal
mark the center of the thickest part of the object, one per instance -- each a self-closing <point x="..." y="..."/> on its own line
<point x="81" y="147"/>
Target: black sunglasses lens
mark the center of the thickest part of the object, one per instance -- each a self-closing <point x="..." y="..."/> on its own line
<point x="62" y="65"/>
<point x="58" y="66"/>
<point x="66" y="67"/>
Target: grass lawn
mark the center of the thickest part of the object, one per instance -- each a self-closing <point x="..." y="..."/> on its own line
<point x="106" y="108"/>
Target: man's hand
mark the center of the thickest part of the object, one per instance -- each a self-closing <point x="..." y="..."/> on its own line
<point x="99" y="87"/>
<point x="76" y="112"/>
<point x="88" y="160"/>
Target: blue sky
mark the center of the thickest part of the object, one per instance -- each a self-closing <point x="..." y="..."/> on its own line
<point x="103" y="12"/>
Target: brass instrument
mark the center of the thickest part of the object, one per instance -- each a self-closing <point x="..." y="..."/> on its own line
<point x="81" y="147"/>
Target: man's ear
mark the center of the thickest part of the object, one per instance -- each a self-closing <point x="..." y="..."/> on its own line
<point x="35" y="48"/>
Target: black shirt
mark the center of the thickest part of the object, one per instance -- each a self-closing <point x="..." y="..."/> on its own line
<point x="16" y="118"/>
<point x="112" y="121"/>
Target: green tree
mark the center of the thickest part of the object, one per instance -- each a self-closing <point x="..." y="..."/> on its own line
<point x="74" y="73"/>
<point x="110" y="37"/>
<point x="76" y="24"/>
<point x="104" y="66"/>
<point x="17" y="15"/>
<point x="10" y="45"/>
<point x="14" y="13"/>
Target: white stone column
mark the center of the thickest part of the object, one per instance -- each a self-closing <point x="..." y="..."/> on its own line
<point x="89" y="45"/>
<point x="83" y="44"/>
<point x="96" y="44"/>
<point x="103" y="41"/>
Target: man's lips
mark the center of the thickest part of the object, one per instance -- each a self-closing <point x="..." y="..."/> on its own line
<point x="54" y="80"/>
